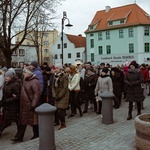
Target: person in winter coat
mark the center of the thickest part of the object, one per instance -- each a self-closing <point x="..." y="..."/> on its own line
<point x="37" y="71"/>
<point x="60" y="94"/>
<point x="104" y="84"/>
<point x="90" y="80"/>
<point x="74" y="88"/>
<point x="10" y="101"/>
<point x="134" y="79"/>
<point x="117" y="77"/>
<point x="29" y="100"/>
<point x="1" y="84"/>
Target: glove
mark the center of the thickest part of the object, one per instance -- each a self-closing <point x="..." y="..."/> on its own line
<point x="32" y="108"/>
<point x="57" y="98"/>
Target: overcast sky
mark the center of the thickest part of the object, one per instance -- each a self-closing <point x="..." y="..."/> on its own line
<point x="81" y="12"/>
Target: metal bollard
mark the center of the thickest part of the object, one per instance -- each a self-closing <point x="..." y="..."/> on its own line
<point x="46" y="126"/>
<point x="107" y="107"/>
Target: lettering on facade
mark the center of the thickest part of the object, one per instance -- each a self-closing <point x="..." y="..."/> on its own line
<point x="117" y="58"/>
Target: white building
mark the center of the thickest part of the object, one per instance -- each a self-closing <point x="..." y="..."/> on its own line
<point x="117" y="35"/>
<point x="24" y="54"/>
<point x="73" y="49"/>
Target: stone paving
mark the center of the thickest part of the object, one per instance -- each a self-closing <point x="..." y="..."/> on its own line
<point x="85" y="133"/>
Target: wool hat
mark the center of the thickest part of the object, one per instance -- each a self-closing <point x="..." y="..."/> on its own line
<point x="105" y="69"/>
<point x="13" y="70"/>
<point x="134" y="63"/>
<point x="28" y="70"/>
<point x="9" y="73"/>
<point x="34" y="64"/>
<point x="4" y="69"/>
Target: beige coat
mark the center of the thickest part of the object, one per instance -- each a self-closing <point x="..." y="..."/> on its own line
<point x="74" y="83"/>
<point x="61" y="91"/>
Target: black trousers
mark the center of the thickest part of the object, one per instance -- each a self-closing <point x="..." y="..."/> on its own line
<point x="75" y="102"/>
<point x="131" y="107"/>
<point x="22" y="129"/>
<point x="60" y="115"/>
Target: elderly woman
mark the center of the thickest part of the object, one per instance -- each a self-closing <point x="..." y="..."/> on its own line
<point x="104" y="84"/>
<point x="133" y="80"/>
<point x="29" y="100"/>
<point x="10" y="100"/>
<point x="60" y="94"/>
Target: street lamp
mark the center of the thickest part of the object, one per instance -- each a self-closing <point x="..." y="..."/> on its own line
<point x="67" y="25"/>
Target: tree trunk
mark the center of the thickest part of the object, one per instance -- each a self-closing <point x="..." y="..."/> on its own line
<point x="8" y="62"/>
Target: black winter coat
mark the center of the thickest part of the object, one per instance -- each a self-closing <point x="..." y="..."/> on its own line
<point x="89" y="85"/>
<point x="10" y="99"/>
<point x="133" y="80"/>
<point x="117" y="81"/>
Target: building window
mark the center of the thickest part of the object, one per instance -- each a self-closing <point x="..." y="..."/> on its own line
<point x="45" y="50"/>
<point x="58" y="46"/>
<point x="21" y="52"/>
<point x="121" y="33"/>
<point x="46" y="43"/>
<point x="91" y="27"/>
<point x="130" y="32"/>
<point x="69" y="55"/>
<point x="60" y="56"/>
<point x="78" y="55"/>
<point x="56" y="56"/>
<point x="146" y="31"/>
<point x="91" y="34"/>
<point x="92" y="57"/>
<point x="100" y="36"/>
<point x="28" y="43"/>
<point x="46" y="58"/>
<point x="122" y="21"/>
<point x="147" y="47"/>
<point x="65" y="45"/>
<point x="92" y="43"/>
<point x="14" y="53"/>
<point x="107" y="35"/>
<point x="110" y="23"/>
<point x="131" y="48"/>
<point x="100" y="50"/>
<point x="108" y="49"/>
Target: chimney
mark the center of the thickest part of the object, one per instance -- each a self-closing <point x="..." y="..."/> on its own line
<point x="107" y="8"/>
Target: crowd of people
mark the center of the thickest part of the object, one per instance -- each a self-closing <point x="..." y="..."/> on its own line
<point x="67" y="87"/>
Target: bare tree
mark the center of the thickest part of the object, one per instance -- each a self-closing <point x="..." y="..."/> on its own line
<point x="21" y="15"/>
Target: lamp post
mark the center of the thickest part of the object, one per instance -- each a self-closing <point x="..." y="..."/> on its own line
<point x="62" y="30"/>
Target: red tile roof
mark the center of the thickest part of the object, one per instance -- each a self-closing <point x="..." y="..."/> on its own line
<point x="78" y="41"/>
<point x="134" y="14"/>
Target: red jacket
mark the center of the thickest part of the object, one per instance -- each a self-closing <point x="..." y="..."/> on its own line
<point x="145" y="73"/>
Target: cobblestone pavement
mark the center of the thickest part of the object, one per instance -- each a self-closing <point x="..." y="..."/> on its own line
<point x="85" y="133"/>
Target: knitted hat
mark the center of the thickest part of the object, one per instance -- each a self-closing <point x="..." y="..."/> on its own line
<point x="28" y="70"/>
<point x="10" y="74"/>
<point x="34" y="64"/>
<point x="4" y="69"/>
<point x="105" y="69"/>
<point x="13" y="70"/>
<point x="134" y="63"/>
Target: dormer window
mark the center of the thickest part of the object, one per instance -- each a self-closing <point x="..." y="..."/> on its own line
<point x="110" y="23"/>
<point x="122" y="21"/>
<point x="91" y="27"/>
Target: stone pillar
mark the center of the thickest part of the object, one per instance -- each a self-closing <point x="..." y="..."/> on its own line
<point x="46" y="126"/>
<point x="107" y="107"/>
